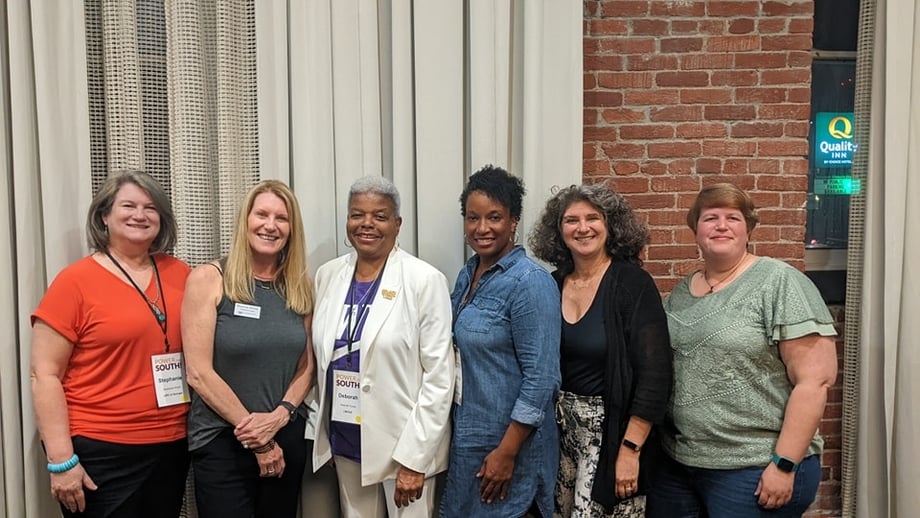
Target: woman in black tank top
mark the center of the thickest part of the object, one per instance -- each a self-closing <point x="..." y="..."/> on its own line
<point x="615" y="357"/>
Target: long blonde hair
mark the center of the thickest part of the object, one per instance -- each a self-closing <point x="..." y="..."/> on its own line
<point x="291" y="281"/>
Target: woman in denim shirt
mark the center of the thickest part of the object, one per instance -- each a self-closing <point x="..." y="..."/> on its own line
<point x="505" y="449"/>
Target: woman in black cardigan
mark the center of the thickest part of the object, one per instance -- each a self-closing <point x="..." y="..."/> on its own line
<point x="615" y="353"/>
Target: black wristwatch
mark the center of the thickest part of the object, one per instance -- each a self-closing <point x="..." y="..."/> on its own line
<point x="292" y="410"/>
<point x="631" y="445"/>
<point x="785" y="464"/>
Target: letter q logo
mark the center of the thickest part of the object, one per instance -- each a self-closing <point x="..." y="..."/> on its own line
<point x="840" y="128"/>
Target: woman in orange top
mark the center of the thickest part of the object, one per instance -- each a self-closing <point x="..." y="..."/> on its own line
<point x="107" y="376"/>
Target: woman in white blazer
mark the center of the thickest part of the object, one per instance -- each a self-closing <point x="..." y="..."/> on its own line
<point x="385" y="366"/>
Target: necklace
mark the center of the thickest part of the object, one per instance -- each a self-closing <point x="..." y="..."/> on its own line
<point x="713" y="285"/>
<point x="579" y="284"/>
<point x="590" y="279"/>
<point x="266" y="282"/>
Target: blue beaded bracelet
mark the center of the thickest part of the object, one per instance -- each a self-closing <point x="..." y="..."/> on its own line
<point x="64" y="466"/>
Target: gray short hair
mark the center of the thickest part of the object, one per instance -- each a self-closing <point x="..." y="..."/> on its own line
<point x="375" y="184"/>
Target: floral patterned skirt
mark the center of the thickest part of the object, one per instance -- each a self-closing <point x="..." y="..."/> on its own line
<point x="581" y="419"/>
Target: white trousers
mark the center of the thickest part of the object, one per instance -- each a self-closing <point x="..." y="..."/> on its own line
<point x="376" y="500"/>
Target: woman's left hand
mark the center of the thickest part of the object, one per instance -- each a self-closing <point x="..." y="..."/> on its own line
<point x="258" y="428"/>
<point x="774" y="488"/>
<point x="495" y="473"/>
<point x="271" y="463"/>
<point x="627" y="473"/>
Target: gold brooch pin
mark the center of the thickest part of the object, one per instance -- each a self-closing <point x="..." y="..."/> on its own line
<point x="388" y="294"/>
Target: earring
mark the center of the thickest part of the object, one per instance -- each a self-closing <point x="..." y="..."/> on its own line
<point x="348" y="243"/>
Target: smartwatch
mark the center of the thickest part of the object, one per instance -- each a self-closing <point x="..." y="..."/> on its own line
<point x="785" y="464"/>
<point x="292" y="410"/>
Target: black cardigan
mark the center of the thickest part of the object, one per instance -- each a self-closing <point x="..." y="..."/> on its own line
<point x="637" y="375"/>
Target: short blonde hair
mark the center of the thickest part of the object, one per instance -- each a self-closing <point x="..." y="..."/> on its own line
<point x="291" y="281"/>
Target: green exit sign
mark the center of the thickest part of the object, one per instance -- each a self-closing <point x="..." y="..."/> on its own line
<point x="837" y="185"/>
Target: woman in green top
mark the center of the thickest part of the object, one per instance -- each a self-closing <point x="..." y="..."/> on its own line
<point x="754" y="356"/>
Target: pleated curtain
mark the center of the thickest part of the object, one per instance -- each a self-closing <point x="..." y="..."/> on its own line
<point x="423" y="93"/>
<point x="210" y="96"/>
<point x="213" y="122"/>
<point x="45" y="189"/>
<point x="883" y="301"/>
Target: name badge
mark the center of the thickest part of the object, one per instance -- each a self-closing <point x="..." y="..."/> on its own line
<point x="247" y="311"/>
<point x="169" y="379"/>
<point x="346" y="397"/>
<point x="458" y="378"/>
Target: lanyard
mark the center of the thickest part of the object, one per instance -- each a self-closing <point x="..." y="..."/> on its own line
<point x="160" y="316"/>
<point x="362" y="308"/>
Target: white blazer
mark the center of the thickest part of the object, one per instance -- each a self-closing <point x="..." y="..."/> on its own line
<point x="407" y="366"/>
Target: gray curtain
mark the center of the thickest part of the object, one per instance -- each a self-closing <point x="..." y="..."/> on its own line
<point x="209" y="96"/>
<point x="887" y="460"/>
<point x="44" y="190"/>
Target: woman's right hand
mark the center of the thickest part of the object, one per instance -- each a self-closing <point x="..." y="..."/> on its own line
<point x="260" y="427"/>
<point x="67" y="488"/>
<point x="495" y="475"/>
<point x="498" y="466"/>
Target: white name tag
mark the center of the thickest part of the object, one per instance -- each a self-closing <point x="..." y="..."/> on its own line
<point x="346" y="397"/>
<point x="247" y="311"/>
<point x="169" y="379"/>
<point x="458" y="378"/>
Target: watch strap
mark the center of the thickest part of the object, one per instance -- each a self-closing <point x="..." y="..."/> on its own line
<point x="292" y="410"/>
<point x="785" y="463"/>
<point x="631" y="445"/>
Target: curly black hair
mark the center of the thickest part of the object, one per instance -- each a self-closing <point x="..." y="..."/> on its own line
<point x="499" y="185"/>
<point x="626" y="235"/>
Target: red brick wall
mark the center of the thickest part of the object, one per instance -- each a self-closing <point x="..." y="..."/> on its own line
<point x="827" y="504"/>
<point x="679" y="94"/>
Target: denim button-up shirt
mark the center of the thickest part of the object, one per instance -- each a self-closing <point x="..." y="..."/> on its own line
<point x="508" y="336"/>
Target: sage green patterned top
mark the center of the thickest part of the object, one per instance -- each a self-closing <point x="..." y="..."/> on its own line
<point x="730" y="386"/>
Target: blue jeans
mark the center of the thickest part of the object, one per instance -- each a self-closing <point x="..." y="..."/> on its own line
<point x="679" y="491"/>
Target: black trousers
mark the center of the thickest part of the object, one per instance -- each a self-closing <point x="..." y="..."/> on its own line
<point x="134" y="480"/>
<point x="227" y="481"/>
